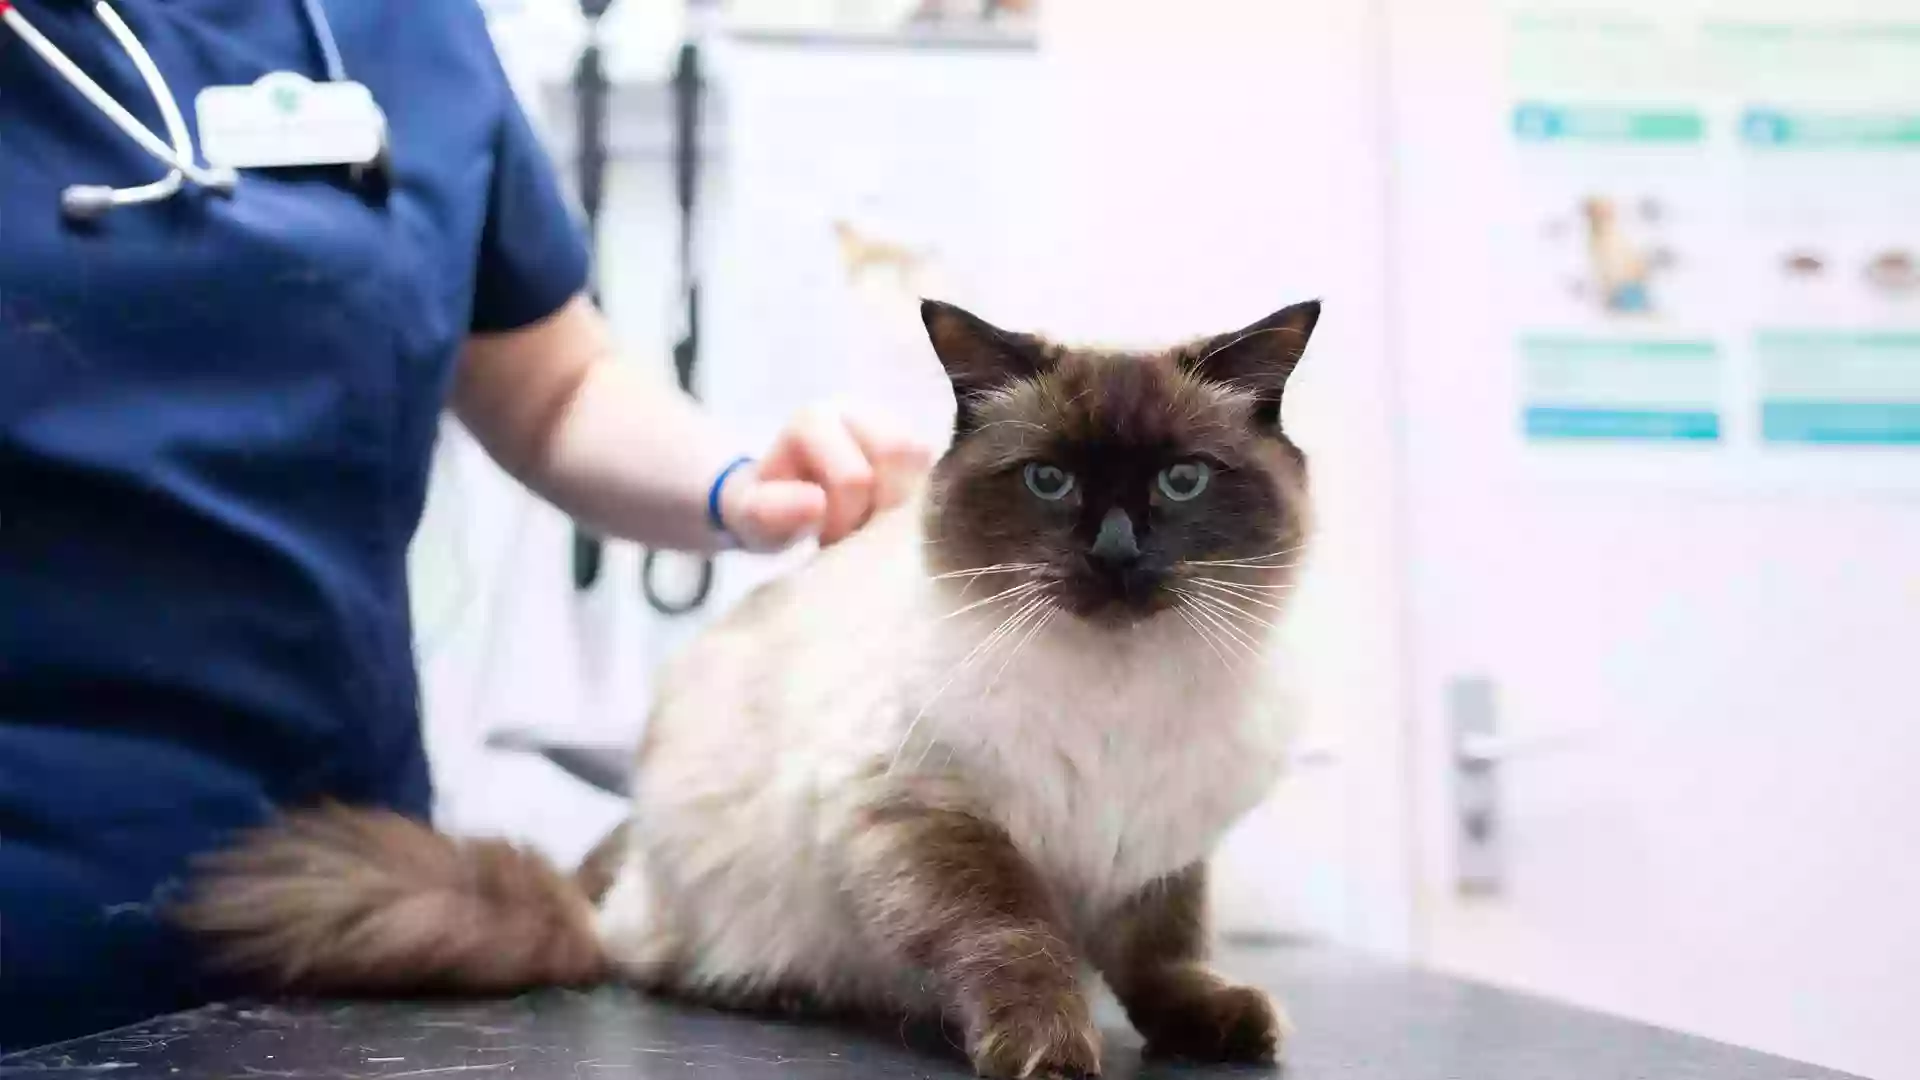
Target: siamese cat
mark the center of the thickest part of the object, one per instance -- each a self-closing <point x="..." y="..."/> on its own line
<point x="959" y="764"/>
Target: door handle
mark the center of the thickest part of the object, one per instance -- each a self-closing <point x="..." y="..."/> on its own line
<point x="1479" y="861"/>
<point x="1478" y="751"/>
<point x="1483" y="748"/>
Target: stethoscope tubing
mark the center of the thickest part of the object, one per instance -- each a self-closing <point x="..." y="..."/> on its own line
<point x="176" y="152"/>
<point x="178" y="156"/>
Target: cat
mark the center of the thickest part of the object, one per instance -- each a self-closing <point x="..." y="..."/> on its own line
<point x="956" y="765"/>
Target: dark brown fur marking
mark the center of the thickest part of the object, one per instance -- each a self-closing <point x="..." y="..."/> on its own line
<point x="1153" y="953"/>
<point x="947" y="892"/>
<point x="342" y="901"/>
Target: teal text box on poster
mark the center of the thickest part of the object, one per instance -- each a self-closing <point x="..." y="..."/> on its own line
<point x="1841" y="423"/>
<point x="1633" y="424"/>
<point x="1792" y="130"/>
<point x="1849" y="388"/>
<point x="1542" y="122"/>
<point x="1598" y="388"/>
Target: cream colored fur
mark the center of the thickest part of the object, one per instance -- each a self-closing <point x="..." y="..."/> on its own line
<point x="1112" y="756"/>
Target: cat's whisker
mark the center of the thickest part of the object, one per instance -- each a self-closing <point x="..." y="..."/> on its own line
<point x="1224" y="606"/>
<point x="1223" y="568"/>
<point x="1006" y="594"/>
<point x="1028" y="611"/>
<point x="1280" y="554"/>
<point x="1041" y="608"/>
<point x="1236" y="633"/>
<point x="1264" y="562"/>
<point x="1252" y="587"/>
<point x="1052" y="609"/>
<point x="983" y="571"/>
<point x="1261" y="585"/>
<point x="998" y="634"/>
<point x="1215" y="628"/>
<point x="1233" y="612"/>
<point x="1180" y="609"/>
<point x="1228" y="588"/>
<point x="1225" y="635"/>
<point x="1272" y="560"/>
<point x="1236" y="649"/>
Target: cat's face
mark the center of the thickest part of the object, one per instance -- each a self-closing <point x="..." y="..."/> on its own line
<point x="1120" y="485"/>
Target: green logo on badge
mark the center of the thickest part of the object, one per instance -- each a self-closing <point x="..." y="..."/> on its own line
<point x="286" y="99"/>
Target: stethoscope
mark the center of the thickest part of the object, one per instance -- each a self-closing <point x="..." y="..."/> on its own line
<point x="88" y="202"/>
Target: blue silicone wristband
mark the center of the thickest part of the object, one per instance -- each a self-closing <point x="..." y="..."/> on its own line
<point x="714" y="519"/>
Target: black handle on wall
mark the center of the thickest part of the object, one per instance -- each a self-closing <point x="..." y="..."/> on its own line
<point x="590" y="91"/>
<point x="688" y="89"/>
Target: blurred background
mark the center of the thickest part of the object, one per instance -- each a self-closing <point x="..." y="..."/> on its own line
<point x="1612" y="631"/>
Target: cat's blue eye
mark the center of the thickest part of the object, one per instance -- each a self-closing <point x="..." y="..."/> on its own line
<point x="1049" y="482"/>
<point x="1185" y="480"/>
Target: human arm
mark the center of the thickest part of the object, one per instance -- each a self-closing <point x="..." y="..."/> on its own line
<point x="635" y="457"/>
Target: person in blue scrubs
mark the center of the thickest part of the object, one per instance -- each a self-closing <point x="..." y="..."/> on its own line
<point x="216" y="421"/>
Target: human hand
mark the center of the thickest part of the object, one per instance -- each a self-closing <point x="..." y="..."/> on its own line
<point x="825" y="476"/>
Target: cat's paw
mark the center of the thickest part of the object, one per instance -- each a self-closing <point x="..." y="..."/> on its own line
<point x="1204" y="1018"/>
<point x="1041" y="1039"/>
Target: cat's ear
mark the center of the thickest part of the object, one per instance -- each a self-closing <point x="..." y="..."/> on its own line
<point x="1258" y="358"/>
<point x="979" y="357"/>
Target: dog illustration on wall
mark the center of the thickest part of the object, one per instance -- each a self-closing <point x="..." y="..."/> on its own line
<point x="862" y="255"/>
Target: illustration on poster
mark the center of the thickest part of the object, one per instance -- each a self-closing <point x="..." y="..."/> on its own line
<point x="1893" y="273"/>
<point x="1620" y="266"/>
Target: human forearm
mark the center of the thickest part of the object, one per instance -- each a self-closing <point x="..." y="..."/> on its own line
<point x="627" y="455"/>
<point x="634" y="457"/>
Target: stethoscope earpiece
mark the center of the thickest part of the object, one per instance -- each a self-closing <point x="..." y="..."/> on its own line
<point x="85" y="203"/>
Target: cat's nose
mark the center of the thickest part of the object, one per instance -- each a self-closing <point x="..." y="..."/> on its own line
<point x="1115" y="547"/>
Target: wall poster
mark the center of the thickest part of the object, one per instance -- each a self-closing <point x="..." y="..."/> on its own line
<point x="1713" y="255"/>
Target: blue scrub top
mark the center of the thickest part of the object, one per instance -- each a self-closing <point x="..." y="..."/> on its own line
<point x="216" y="422"/>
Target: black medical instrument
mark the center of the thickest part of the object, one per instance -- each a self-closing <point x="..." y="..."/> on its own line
<point x="591" y="91"/>
<point x="81" y="203"/>
<point x="688" y="87"/>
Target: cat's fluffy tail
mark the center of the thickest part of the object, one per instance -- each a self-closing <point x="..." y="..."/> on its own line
<point x="341" y="901"/>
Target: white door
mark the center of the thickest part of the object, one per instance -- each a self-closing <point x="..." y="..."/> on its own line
<point x="1662" y="389"/>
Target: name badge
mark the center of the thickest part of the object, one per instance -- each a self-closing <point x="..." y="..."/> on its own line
<point x="286" y="120"/>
